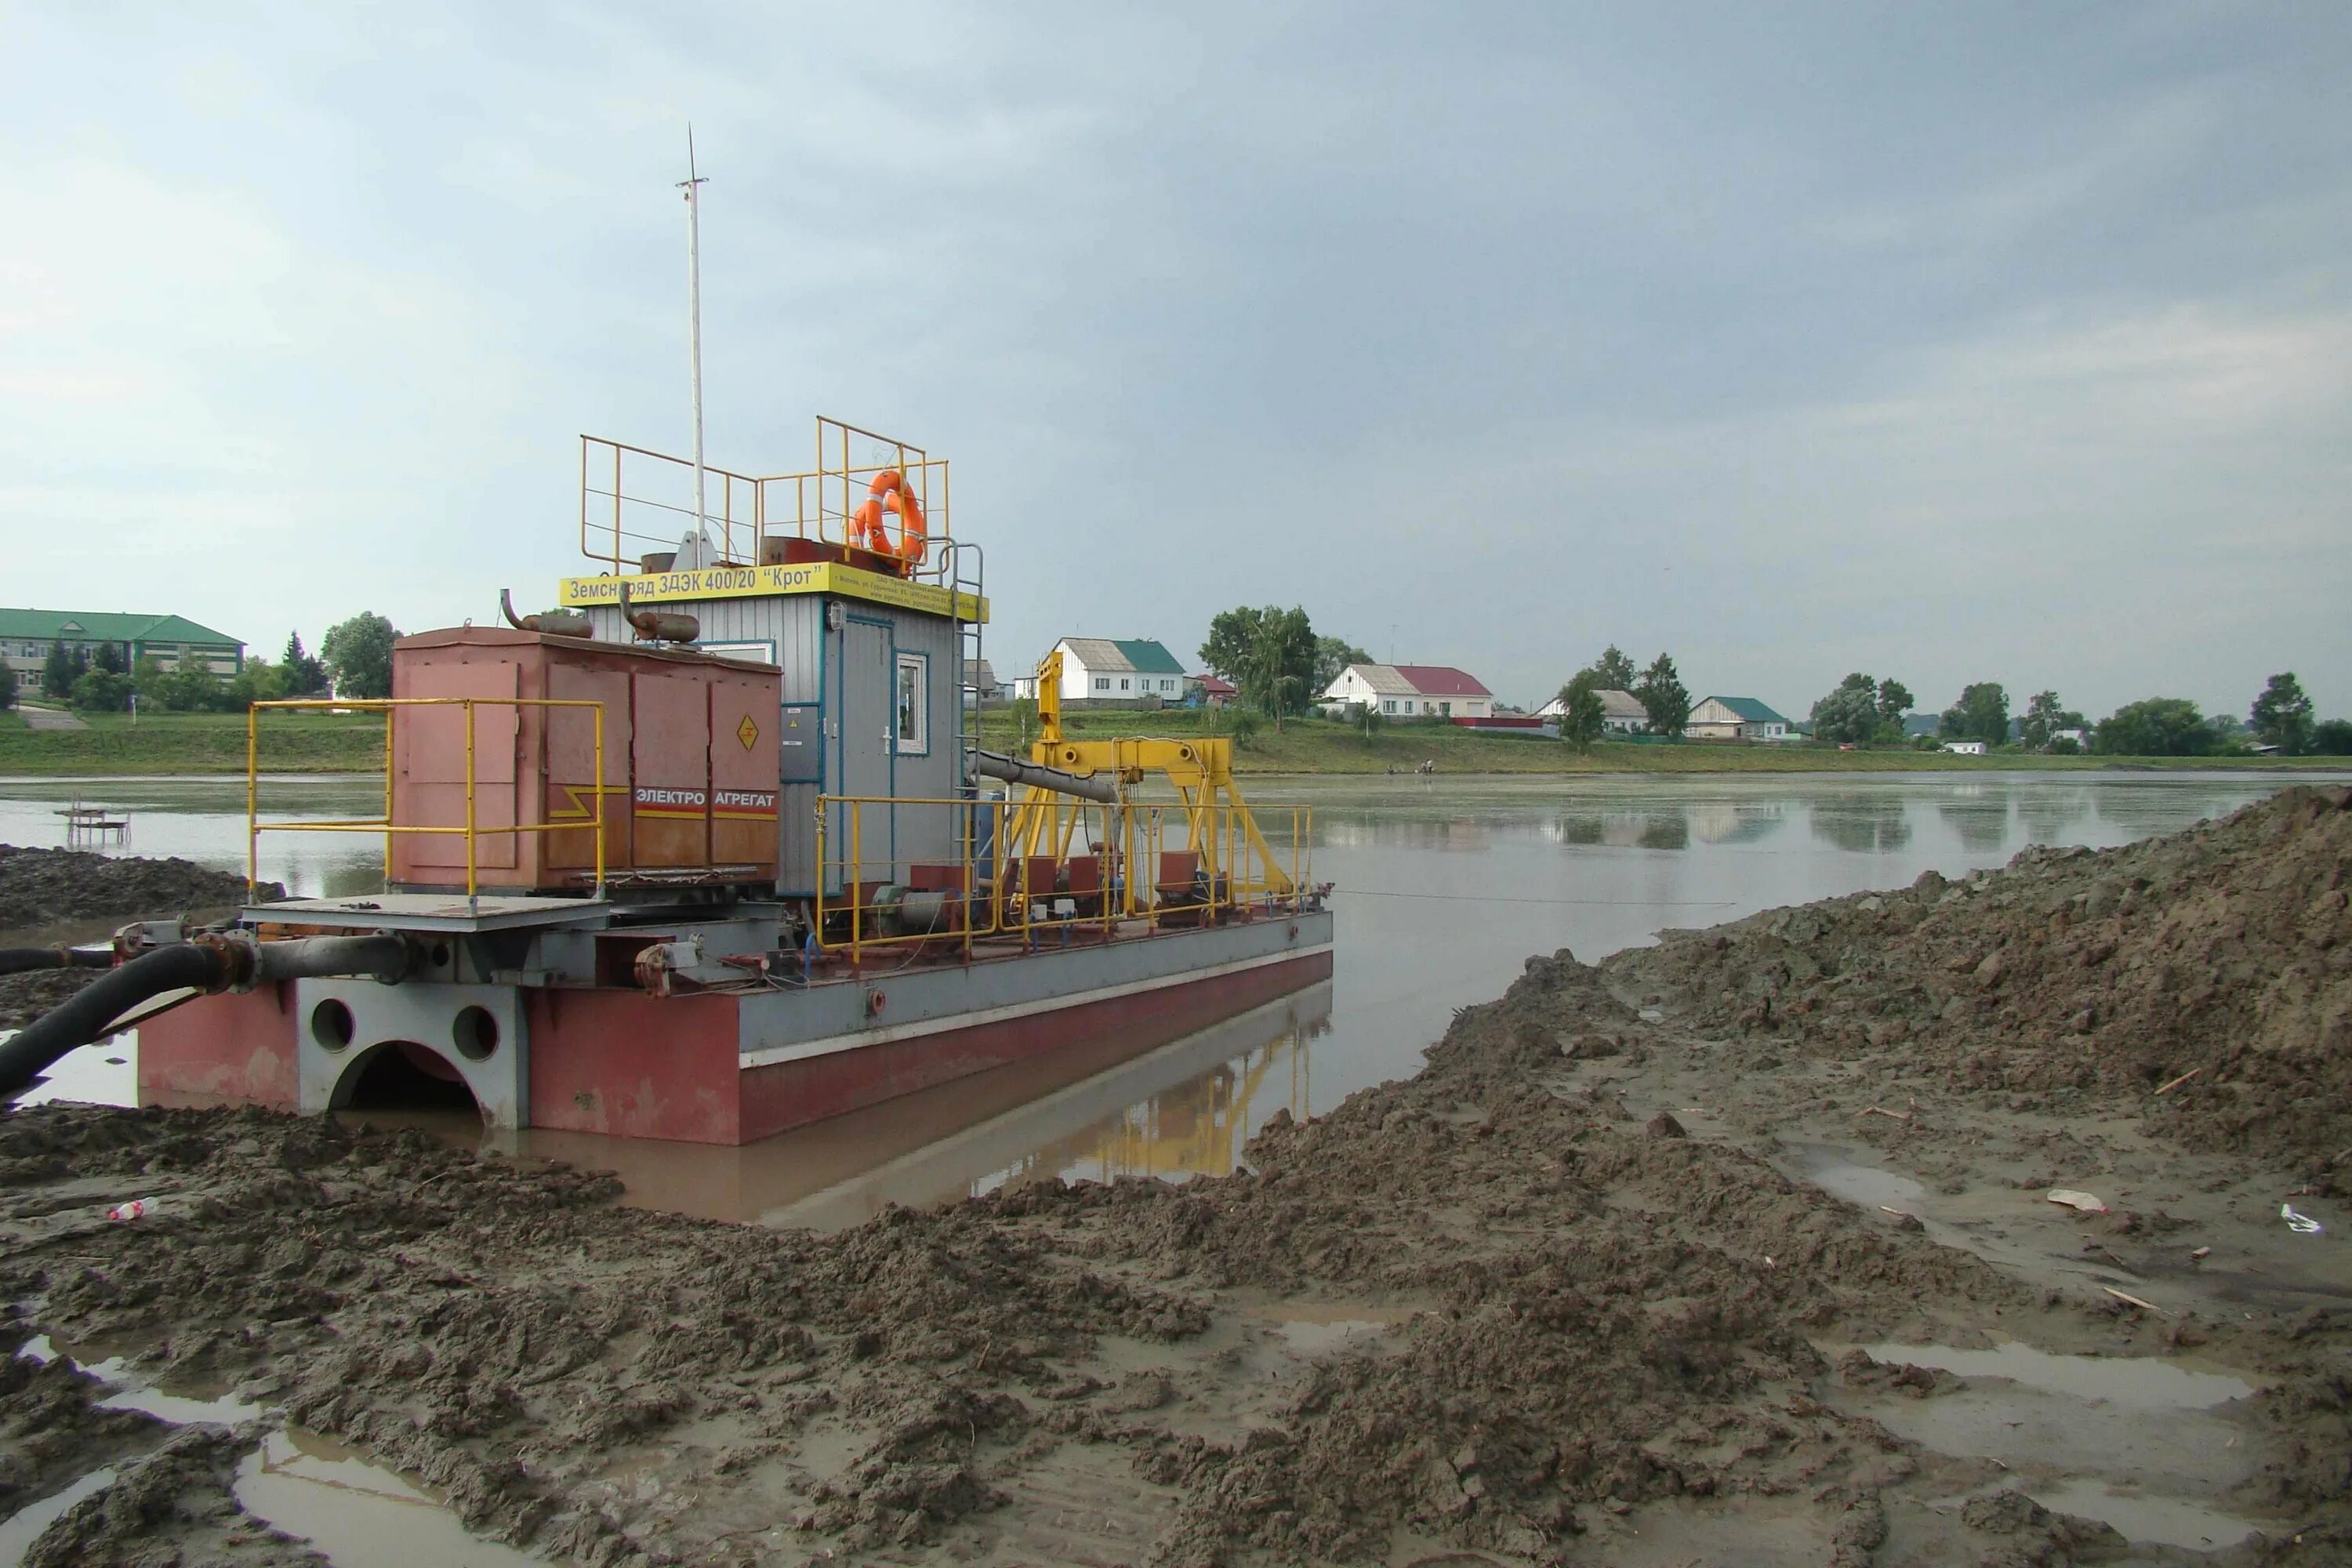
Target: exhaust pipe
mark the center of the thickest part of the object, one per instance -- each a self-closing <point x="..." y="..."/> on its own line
<point x="660" y="626"/>
<point x="230" y="960"/>
<point x="554" y="623"/>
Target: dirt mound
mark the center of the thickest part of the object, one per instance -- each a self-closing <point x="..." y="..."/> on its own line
<point x="2076" y="978"/>
<point x="41" y="887"/>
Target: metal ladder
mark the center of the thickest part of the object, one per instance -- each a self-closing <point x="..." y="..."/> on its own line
<point x="966" y="575"/>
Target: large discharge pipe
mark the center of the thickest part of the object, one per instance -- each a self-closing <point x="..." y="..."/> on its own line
<point x="210" y="964"/>
<point x="25" y="959"/>
<point x="1013" y="770"/>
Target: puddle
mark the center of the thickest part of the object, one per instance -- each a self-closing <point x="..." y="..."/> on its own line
<point x="2142" y="1383"/>
<point x="106" y="1073"/>
<point x="359" y="1514"/>
<point x="133" y="1392"/>
<point x="1831" y="1170"/>
<point x="24" y="1527"/>
<point x="1318" y="1328"/>
<point x="2160" y="1520"/>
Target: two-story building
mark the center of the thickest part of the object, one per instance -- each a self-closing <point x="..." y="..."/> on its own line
<point x="1134" y="670"/>
<point x="1409" y="692"/>
<point x="26" y="637"/>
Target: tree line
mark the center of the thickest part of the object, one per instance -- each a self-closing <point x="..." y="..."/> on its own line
<point x="1659" y="689"/>
<point x="2281" y="715"/>
<point x="355" y="661"/>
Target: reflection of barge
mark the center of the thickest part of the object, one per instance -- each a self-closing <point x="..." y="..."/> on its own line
<point x="715" y="851"/>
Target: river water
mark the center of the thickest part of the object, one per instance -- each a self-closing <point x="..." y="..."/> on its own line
<point x="1444" y="886"/>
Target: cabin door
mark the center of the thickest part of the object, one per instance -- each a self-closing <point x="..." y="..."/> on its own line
<point x="868" y="747"/>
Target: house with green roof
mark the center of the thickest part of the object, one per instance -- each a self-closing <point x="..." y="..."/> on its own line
<point x="1110" y="670"/>
<point x="1734" y="719"/>
<point x="27" y="636"/>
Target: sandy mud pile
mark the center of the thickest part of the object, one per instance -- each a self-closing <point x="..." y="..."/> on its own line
<point x="2082" y="979"/>
<point x="1579" y="1292"/>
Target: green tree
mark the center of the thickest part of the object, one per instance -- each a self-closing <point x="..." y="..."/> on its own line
<point x="1894" y="701"/>
<point x="359" y="652"/>
<point x="1332" y="657"/>
<point x="2044" y="717"/>
<point x="1583" y="717"/>
<point x="2332" y="738"/>
<point x="1848" y="716"/>
<point x="62" y="668"/>
<point x="7" y="686"/>
<point x="1612" y="671"/>
<point x="1268" y="653"/>
<point x="304" y="675"/>
<point x="2158" y="727"/>
<point x="192" y="688"/>
<point x="102" y="691"/>
<point x="259" y="681"/>
<point x="1661" y="691"/>
<point x="2282" y="715"/>
<point x="1980" y="714"/>
<point x="110" y="659"/>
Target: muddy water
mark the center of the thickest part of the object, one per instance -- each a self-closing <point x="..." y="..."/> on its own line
<point x="1444" y="886"/>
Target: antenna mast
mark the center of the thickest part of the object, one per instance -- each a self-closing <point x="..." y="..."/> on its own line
<point x="692" y="185"/>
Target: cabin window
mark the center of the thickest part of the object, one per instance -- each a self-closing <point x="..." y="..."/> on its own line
<point x="913" y="708"/>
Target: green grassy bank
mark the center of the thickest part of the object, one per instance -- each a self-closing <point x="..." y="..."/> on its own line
<point x="166" y="743"/>
<point x="169" y="743"/>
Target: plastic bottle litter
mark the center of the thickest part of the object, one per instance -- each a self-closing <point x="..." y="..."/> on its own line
<point x="2301" y="1224"/>
<point x="131" y="1210"/>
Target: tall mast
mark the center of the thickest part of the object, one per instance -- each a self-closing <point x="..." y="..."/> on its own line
<point x="692" y="185"/>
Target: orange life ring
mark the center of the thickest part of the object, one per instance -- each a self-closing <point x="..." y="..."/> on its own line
<point x="867" y="531"/>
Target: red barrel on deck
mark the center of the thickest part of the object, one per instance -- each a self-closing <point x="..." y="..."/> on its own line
<point x="689" y="784"/>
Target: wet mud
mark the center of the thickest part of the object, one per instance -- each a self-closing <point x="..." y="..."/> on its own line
<point x="1689" y="1257"/>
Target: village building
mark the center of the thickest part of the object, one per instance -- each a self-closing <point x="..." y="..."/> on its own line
<point x="1209" y="690"/>
<point x="1133" y="670"/>
<point x="1408" y="691"/>
<point x="1621" y="712"/>
<point x="26" y="637"/>
<point x="1734" y="718"/>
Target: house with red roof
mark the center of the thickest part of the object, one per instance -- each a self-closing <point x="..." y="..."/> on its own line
<point x="1409" y="692"/>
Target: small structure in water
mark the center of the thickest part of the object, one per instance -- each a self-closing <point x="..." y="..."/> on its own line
<point x="89" y="825"/>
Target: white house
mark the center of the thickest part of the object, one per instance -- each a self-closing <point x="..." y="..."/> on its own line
<point x="1117" y="669"/>
<point x="1409" y="692"/>
<point x="1620" y="713"/>
<point x="1734" y="719"/>
<point x="1965" y="748"/>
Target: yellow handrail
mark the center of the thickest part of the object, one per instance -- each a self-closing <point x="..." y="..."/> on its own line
<point x="389" y="707"/>
<point x="1131" y="835"/>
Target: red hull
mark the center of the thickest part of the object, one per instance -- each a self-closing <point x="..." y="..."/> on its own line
<point x="632" y="1066"/>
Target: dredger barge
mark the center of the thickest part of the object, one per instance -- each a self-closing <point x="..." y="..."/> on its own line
<point x="714" y="850"/>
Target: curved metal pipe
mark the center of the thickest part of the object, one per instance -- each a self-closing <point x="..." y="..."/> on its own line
<point x="1013" y="770"/>
<point x="554" y="623"/>
<point x="232" y="961"/>
<point x="660" y="626"/>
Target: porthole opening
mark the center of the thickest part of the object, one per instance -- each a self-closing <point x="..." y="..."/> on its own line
<point x="474" y="1032"/>
<point x="331" y="1025"/>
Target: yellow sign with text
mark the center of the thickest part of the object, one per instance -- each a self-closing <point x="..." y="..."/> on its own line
<point x="756" y="582"/>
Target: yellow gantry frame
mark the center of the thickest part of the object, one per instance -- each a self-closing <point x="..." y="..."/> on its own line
<point x="1201" y="771"/>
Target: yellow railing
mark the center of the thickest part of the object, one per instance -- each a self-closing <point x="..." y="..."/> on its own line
<point x="992" y="898"/>
<point x="634" y="501"/>
<point x="390" y="707"/>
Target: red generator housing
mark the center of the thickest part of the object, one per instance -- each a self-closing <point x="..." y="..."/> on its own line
<point x="690" y="781"/>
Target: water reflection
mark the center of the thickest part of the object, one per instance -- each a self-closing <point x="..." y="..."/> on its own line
<point x="1861" y="824"/>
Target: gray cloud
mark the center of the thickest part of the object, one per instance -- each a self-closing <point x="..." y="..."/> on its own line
<point x="1946" y="343"/>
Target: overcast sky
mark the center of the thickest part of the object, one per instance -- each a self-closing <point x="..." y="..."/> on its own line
<point x="1946" y="342"/>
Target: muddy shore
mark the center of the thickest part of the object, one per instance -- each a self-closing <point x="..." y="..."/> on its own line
<point x="1738" y="1250"/>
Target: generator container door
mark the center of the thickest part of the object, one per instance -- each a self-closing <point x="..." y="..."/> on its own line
<point x="744" y="763"/>
<point x="670" y="766"/>
<point x="429" y="766"/>
<point x="868" y="743"/>
<point x="572" y="784"/>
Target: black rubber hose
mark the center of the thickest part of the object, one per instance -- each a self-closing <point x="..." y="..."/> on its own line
<point x="25" y="960"/>
<point x="83" y="1016"/>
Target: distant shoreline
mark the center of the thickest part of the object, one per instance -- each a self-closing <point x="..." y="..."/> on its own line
<point x="202" y="745"/>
